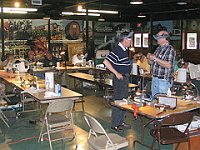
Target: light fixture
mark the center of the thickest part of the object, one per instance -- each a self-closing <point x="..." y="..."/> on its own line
<point x="15" y="12"/>
<point x="80" y="9"/>
<point x="80" y="14"/>
<point x="141" y="16"/>
<point x="101" y="19"/>
<point x="136" y="2"/>
<point x="17" y="4"/>
<point x="181" y="3"/>
<point x="18" y="9"/>
<point x="131" y="48"/>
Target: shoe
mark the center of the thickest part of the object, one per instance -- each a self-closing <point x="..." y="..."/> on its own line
<point x="125" y="125"/>
<point x="117" y="129"/>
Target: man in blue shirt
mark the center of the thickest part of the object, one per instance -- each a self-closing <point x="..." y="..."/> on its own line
<point x="119" y="64"/>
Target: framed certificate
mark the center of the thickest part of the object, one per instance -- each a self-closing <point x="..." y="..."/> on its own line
<point x="191" y="41"/>
<point x="137" y="40"/>
<point x="145" y="40"/>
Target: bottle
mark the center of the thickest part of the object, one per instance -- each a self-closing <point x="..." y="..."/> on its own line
<point x="47" y="84"/>
<point x="58" y="89"/>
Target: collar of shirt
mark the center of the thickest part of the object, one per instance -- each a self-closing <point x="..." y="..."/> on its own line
<point x="164" y="44"/>
<point x="120" y="44"/>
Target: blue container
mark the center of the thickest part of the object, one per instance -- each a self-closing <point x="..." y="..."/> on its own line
<point x="58" y="89"/>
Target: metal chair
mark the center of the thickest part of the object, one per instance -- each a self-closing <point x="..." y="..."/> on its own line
<point x="165" y="130"/>
<point x="58" y="119"/>
<point x="2" y="97"/>
<point x="98" y="139"/>
<point x="28" y="104"/>
<point x="4" y="118"/>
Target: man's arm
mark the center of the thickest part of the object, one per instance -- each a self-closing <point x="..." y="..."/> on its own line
<point x="163" y="63"/>
<point x="110" y="67"/>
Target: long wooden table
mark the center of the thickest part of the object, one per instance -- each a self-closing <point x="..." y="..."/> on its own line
<point x="39" y="95"/>
<point x="149" y="111"/>
<point x="91" y="79"/>
<point x="67" y="68"/>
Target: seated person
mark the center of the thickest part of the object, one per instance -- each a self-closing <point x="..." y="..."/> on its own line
<point x="142" y="62"/>
<point x="10" y="60"/>
<point x="77" y="59"/>
<point x="30" y="59"/>
<point x="31" y="56"/>
<point x="49" y="60"/>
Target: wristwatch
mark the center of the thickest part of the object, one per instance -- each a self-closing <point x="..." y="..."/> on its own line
<point x="155" y="60"/>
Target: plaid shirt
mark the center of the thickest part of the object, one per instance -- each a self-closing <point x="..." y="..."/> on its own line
<point x="166" y="53"/>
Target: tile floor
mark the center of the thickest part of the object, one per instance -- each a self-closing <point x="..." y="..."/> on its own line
<point x="23" y="134"/>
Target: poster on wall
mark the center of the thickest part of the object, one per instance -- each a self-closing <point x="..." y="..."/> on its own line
<point x="191" y="41"/>
<point x="145" y="40"/>
<point x="40" y="36"/>
<point x="137" y="40"/>
<point x="17" y="29"/>
<point x="107" y="34"/>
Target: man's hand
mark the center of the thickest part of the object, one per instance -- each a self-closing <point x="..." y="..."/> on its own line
<point x="151" y="56"/>
<point x="119" y="76"/>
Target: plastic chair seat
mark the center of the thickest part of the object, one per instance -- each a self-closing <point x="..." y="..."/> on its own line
<point x="57" y="120"/>
<point x="99" y="142"/>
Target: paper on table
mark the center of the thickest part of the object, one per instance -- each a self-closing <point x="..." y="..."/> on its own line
<point x="194" y="71"/>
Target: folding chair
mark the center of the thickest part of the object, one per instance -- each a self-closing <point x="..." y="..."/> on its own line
<point x="4" y="118"/>
<point x="98" y="139"/>
<point x="27" y="103"/>
<point x="2" y="97"/>
<point x="165" y="130"/>
<point x="58" y="118"/>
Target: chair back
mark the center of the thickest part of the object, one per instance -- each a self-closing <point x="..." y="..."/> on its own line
<point x="177" y="119"/>
<point x="60" y="106"/>
<point x="94" y="125"/>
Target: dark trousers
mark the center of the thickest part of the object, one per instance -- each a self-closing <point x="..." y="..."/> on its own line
<point x="120" y="91"/>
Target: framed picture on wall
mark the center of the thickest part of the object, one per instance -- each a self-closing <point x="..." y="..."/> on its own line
<point x="137" y="40"/>
<point x="191" y="41"/>
<point x="145" y="40"/>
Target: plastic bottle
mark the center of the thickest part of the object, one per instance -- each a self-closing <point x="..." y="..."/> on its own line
<point x="47" y="84"/>
<point x="58" y="89"/>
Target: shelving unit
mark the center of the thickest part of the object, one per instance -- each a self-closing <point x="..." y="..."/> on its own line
<point x="17" y="47"/>
<point x="20" y="51"/>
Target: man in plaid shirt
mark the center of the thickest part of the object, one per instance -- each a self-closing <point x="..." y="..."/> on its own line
<point x="162" y="61"/>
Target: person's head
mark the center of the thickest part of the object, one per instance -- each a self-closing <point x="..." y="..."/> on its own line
<point x="138" y="55"/>
<point x="162" y="37"/>
<point x="79" y="55"/>
<point x="9" y="56"/>
<point x="49" y="56"/>
<point x="31" y="54"/>
<point x="126" y="39"/>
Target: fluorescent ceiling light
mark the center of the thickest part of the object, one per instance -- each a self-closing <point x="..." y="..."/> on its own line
<point x="18" y="9"/>
<point x="136" y="2"/>
<point x="101" y="19"/>
<point x="181" y="3"/>
<point x="97" y="11"/>
<point x="80" y="14"/>
<point x="15" y="12"/>
<point x="141" y="16"/>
